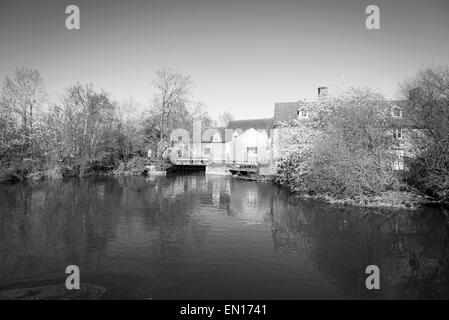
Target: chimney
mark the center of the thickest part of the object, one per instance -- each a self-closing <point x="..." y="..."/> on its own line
<point x="322" y="92"/>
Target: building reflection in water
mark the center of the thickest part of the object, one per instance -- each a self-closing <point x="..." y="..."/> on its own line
<point x="156" y="234"/>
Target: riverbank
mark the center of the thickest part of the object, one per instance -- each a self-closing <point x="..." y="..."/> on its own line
<point x="387" y="199"/>
<point x="254" y="177"/>
<point x="139" y="166"/>
<point x="34" y="171"/>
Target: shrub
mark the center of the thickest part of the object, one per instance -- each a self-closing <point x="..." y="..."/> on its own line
<point x="350" y="156"/>
<point x="293" y="173"/>
<point x="343" y="171"/>
<point x="429" y="172"/>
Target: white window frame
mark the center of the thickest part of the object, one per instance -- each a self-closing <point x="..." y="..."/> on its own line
<point x="216" y="137"/>
<point x="398" y="134"/>
<point x="399" y="164"/>
<point x="393" y="112"/>
<point x="303" y="113"/>
<point x="252" y="149"/>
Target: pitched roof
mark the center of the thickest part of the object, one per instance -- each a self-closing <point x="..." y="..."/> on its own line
<point x="257" y="124"/>
<point x="207" y="136"/>
<point x="286" y="111"/>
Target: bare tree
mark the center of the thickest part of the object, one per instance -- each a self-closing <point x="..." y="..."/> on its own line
<point x="22" y="94"/>
<point x="225" y="118"/>
<point x="89" y="120"/>
<point x="170" y="102"/>
<point x="428" y="112"/>
<point x="428" y="92"/>
<point x="132" y="119"/>
<point x="199" y="112"/>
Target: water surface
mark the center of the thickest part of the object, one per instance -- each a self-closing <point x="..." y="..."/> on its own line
<point x="210" y="237"/>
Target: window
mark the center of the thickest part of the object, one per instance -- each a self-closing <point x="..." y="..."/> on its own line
<point x="216" y="138"/>
<point x="206" y="151"/>
<point x="251" y="150"/>
<point x="397" y="112"/>
<point x="399" y="162"/>
<point x="179" y="138"/>
<point x="398" y="133"/>
<point x="302" y="113"/>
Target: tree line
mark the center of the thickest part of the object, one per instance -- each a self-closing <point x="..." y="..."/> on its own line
<point x="87" y="129"/>
<point x="345" y="150"/>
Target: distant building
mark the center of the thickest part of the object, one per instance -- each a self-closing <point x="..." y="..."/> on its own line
<point x="401" y="111"/>
<point x="252" y="141"/>
<point x="243" y="141"/>
<point x="255" y="141"/>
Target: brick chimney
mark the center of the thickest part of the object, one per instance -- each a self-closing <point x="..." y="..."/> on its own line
<point x="322" y="92"/>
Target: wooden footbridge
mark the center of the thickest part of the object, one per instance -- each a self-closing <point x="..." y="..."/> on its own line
<point x="234" y="167"/>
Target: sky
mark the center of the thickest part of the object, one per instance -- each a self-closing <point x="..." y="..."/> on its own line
<point x="243" y="56"/>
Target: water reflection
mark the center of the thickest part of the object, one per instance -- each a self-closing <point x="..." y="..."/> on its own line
<point x="214" y="237"/>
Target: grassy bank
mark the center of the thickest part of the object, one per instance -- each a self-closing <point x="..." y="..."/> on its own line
<point x="387" y="199"/>
<point x="29" y="170"/>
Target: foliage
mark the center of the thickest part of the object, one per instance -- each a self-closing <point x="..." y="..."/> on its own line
<point x="132" y="138"/>
<point x="86" y="132"/>
<point x="169" y="106"/>
<point x="81" y="129"/>
<point x="429" y="111"/>
<point x="347" y="151"/>
<point x="429" y="172"/>
<point x="11" y="141"/>
<point x="22" y="94"/>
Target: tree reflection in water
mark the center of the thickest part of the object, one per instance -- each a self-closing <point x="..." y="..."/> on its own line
<point x="214" y="237"/>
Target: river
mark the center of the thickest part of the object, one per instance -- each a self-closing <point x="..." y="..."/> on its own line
<point x="213" y="237"/>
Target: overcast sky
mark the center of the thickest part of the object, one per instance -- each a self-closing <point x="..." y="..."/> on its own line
<point x="242" y="55"/>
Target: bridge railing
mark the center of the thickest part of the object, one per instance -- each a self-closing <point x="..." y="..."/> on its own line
<point x="207" y="161"/>
<point x="190" y="161"/>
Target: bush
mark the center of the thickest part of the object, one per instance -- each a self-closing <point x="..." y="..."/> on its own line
<point x="332" y="170"/>
<point x="351" y="156"/>
<point x="137" y="166"/>
<point x="100" y="165"/>
<point x="341" y="171"/>
<point x="17" y="171"/>
<point x="429" y="173"/>
<point x="292" y="173"/>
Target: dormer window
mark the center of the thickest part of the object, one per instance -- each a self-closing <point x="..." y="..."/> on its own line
<point x="216" y="138"/>
<point x="303" y="113"/>
<point x="396" y="112"/>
